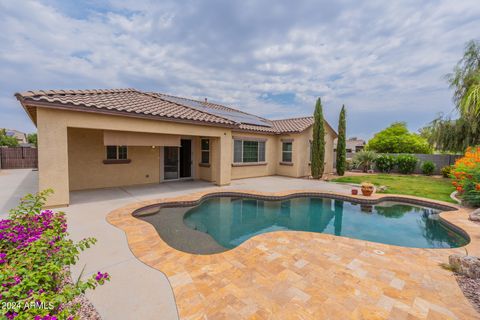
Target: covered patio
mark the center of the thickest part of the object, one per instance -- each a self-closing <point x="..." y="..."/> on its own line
<point x="135" y="287"/>
<point x="281" y="273"/>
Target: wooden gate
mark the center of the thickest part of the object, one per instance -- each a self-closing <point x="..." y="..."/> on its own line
<point x="18" y="157"/>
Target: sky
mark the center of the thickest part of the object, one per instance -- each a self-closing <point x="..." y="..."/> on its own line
<point x="384" y="60"/>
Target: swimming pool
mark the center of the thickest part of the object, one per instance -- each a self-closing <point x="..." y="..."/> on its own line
<point x="224" y="222"/>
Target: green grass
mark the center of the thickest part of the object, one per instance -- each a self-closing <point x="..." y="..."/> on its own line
<point x="420" y="186"/>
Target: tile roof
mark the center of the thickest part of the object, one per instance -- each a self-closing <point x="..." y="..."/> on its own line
<point x="122" y="101"/>
<point x="293" y="125"/>
<point x="157" y="105"/>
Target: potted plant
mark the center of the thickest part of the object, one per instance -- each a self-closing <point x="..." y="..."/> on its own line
<point x="367" y="189"/>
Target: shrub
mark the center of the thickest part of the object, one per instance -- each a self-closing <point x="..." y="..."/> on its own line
<point x="466" y="172"/>
<point x="446" y="171"/>
<point x="385" y="163"/>
<point x="428" y="167"/>
<point x="406" y="163"/>
<point x="364" y="160"/>
<point x="6" y="140"/>
<point x="349" y="164"/>
<point x="35" y="255"/>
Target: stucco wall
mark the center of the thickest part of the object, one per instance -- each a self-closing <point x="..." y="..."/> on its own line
<point x="53" y="145"/>
<point x="260" y="170"/>
<point x="203" y="172"/>
<point x="301" y="153"/>
<point x="329" y="155"/>
<point x="288" y="169"/>
<point x="68" y="150"/>
<point x="86" y="169"/>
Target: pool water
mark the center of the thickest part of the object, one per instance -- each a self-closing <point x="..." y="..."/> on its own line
<point x="231" y="221"/>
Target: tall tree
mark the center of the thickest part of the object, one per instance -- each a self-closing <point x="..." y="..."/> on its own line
<point x="341" y="143"/>
<point x="465" y="80"/>
<point x="318" y="143"/>
<point x="457" y="134"/>
<point x="32" y="138"/>
<point x="397" y="139"/>
<point x="6" y="140"/>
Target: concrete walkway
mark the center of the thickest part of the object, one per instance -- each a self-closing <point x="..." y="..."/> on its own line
<point x="14" y="184"/>
<point x="136" y="290"/>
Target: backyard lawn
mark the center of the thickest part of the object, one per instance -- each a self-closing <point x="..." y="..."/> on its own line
<point x="420" y="186"/>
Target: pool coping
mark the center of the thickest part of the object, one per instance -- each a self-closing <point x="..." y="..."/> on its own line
<point x="142" y="236"/>
<point x="441" y="206"/>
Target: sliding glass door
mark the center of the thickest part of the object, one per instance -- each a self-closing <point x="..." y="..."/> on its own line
<point x="170" y="163"/>
<point x="177" y="162"/>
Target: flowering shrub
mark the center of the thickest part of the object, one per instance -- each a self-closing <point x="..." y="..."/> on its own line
<point x="35" y="253"/>
<point x="466" y="174"/>
<point x="447" y="171"/>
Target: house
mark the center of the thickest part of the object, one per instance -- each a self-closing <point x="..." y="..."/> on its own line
<point x="353" y="145"/>
<point x="20" y="136"/>
<point x="107" y="138"/>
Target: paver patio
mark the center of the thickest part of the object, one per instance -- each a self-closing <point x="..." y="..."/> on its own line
<point x="281" y="275"/>
<point x="301" y="275"/>
<point x="137" y="289"/>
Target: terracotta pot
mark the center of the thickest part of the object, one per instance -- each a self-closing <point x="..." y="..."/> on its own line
<point x="367" y="191"/>
<point x="354" y="192"/>
<point x="366" y="208"/>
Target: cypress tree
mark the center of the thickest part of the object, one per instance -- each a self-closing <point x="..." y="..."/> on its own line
<point x="341" y="144"/>
<point x="318" y="143"/>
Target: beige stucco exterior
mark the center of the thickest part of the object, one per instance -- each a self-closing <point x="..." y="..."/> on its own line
<point x="72" y="152"/>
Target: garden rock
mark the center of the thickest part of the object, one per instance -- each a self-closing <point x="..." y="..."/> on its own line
<point x="465" y="265"/>
<point x="475" y="215"/>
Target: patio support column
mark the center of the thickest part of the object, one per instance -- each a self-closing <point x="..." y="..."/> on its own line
<point x="53" y="157"/>
<point x="223" y="158"/>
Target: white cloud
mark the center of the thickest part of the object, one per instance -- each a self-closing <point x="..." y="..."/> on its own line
<point x="382" y="58"/>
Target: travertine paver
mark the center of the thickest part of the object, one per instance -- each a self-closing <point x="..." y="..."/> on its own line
<point x="302" y="275"/>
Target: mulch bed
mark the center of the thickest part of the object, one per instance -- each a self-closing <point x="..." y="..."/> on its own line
<point x="471" y="289"/>
<point x="87" y="310"/>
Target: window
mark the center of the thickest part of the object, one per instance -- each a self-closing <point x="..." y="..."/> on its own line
<point x="205" y="146"/>
<point x="117" y="153"/>
<point x="250" y="151"/>
<point x="287" y="151"/>
<point x="246" y="151"/>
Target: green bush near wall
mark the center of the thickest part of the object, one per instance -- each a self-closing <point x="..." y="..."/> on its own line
<point x="406" y="163"/>
<point x="385" y="163"/>
<point x="428" y="167"/>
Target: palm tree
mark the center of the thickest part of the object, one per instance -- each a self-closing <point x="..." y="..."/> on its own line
<point x="469" y="105"/>
<point x="456" y="135"/>
<point x="365" y="160"/>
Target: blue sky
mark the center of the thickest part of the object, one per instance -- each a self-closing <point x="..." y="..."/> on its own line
<point x="385" y="60"/>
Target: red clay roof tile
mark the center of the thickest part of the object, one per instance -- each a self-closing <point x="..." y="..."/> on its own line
<point x="160" y="105"/>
